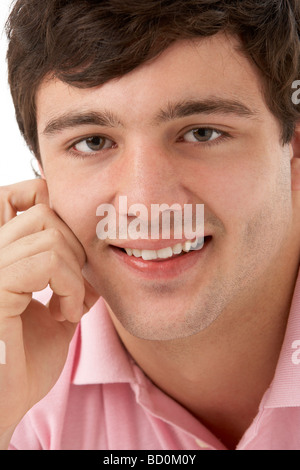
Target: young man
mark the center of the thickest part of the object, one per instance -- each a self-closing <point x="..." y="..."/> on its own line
<point x="164" y="102"/>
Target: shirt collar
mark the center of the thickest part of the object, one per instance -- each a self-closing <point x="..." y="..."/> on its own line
<point x="102" y="357"/>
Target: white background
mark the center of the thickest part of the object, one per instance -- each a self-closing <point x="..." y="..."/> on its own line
<point x="15" y="156"/>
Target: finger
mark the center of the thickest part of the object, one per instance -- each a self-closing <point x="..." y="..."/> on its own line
<point x="54" y="306"/>
<point x="46" y="240"/>
<point x="21" y="196"/>
<point x="90" y="298"/>
<point x="37" y="219"/>
<point x="33" y="274"/>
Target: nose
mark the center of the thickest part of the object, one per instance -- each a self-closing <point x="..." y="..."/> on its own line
<point x="149" y="175"/>
<point x="150" y="179"/>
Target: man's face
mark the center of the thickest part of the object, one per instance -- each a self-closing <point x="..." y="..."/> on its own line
<point x="190" y="127"/>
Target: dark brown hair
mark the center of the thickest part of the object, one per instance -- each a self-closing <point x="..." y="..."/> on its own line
<point x="88" y="42"/>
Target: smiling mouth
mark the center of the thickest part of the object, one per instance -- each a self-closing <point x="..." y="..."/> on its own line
<point x="164" y="254"/>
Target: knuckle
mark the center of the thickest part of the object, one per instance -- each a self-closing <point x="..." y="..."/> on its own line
<point x="55" y="235"/>
<point x="42" y="210"/>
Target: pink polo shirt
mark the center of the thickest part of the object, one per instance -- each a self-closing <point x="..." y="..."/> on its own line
<point x="103" y="401"/>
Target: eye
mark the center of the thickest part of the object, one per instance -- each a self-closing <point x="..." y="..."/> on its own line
<point x="203" y="134"/>
<point x="93" y="144"/>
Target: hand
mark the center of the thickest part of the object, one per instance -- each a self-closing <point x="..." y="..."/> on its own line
<point x="36" y="249"/>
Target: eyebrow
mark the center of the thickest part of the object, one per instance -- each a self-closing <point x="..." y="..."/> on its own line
<point x="173" y="111"/>
<point x="75" y="119"/>
<point x="209" y="106"/>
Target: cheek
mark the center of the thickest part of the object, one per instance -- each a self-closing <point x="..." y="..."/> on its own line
<point x="237" y="191"/>
<point x="230" y="194"/>
<point x="76" y="206"/>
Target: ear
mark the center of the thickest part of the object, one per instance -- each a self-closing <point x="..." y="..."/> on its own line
<point x="295" y="159"/>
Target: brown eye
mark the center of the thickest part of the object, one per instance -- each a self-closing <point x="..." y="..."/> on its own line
<point x="93" y="144"/>
<point x="202" y="135"/>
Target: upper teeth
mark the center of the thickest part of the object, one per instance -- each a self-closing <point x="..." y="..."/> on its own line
<point x="168" y="252"/>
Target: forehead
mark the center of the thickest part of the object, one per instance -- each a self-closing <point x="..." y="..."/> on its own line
<point x="199" y="68"/>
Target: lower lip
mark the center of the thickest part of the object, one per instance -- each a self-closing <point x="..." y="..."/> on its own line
<point x="164" y="268"/>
